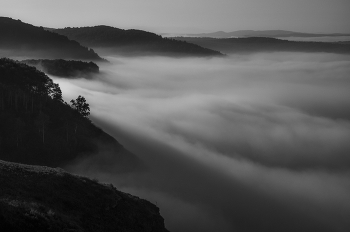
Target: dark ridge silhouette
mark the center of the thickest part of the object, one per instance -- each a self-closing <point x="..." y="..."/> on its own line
<point x="18" y="39"/>
<point x="264" y="33"/>
<point x="65" y="68"/>
<point x="132" y="42"/>
<point x="34" y="198"/>
<point x="263" y="44"/>
<point x="343" y="42"/>
<point x="37" y="127"/>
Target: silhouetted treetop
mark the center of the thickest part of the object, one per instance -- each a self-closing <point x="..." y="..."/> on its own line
<point x="28" y="79"/>
<point x="81" y="106"/>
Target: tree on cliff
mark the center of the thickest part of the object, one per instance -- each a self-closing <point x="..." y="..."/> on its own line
<point x="81" y="106"/>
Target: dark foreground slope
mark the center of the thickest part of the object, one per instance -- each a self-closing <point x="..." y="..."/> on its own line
<point x="132" y="42"/>
<point x="262" y="44"/>
<point x="18" y="39"/>
<point x="37" y="127"/>
<point x="34" y="198"/>
<point x="65" y="68"/>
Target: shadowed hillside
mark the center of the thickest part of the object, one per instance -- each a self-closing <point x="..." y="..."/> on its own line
<point x="34" y="198"/>
<point x="65" y="68"/>
<point x="262" y="44"/>
<point x="112" y="40"/>
<point x="18" y="39"/>
<point x="37" y="127"/>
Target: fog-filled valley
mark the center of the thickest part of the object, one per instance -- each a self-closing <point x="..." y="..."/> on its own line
<point x="254" y="142"/>
<point x="175" y="116"/>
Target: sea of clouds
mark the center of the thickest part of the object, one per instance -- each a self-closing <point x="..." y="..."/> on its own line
<point x="244" y="143"/>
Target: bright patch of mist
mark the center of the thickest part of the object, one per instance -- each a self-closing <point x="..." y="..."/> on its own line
<point x="246" y="143"/>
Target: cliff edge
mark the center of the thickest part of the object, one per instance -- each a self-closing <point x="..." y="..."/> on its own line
<point x="37" y="198"/>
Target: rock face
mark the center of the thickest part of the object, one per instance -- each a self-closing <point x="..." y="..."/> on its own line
<point x="36" y="198"/>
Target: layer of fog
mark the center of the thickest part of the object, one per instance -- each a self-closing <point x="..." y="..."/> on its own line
<point x="246" y="143"/>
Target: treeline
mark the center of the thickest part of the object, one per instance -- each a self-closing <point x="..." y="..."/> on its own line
<point x="105" y="36"/>
<point x="64" y="68"/>
<point x="133" y="41"/>
<point x="37" y="126"/>
<point x="22" y="39"/>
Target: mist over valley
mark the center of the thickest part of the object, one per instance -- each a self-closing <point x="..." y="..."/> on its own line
<point x="185" y="134"/>
<point x="246" y="143"/>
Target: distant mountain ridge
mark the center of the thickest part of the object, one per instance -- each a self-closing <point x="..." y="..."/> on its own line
<point x="263" y="33"/>
<point x="132" y="42"/>
<point x="19" y="39"/>
<point x="264" y="44"/>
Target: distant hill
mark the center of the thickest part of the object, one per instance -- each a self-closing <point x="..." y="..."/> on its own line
<point x="110" y="40"/>
<point x="265" y="33"/>
<point x="343" y="42"/>
<point x="65" y="68"/>
<point x="18" y="39"/>
<point x="42" y="199"/>
<point x="263" y="44"/>
<point x="37" y="127"/>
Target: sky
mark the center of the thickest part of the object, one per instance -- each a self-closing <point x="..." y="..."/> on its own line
<point x="186" y="16"/>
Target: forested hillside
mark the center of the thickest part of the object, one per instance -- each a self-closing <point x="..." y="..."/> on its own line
<point x="18" y="39"/>
<point x="132" y="42"/>
<point x="37" y="127"/>
<point x="65" y="68"/>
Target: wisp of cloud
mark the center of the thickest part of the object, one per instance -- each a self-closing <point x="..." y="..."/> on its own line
<point x="245" y="143"/>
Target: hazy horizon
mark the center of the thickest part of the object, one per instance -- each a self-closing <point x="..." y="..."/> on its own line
<point x="196" y="16"/>
<point x="168" y="33"/>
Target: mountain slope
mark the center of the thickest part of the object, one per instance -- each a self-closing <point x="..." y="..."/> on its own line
<point x="18" y="39"/>
<point x="65" y="68"/>
<point x="265" y="33"/>
<point x="37" y="127"/>
<point x="34" y="198"/>
<point x="132" y="42"/>
<point x="262" y="44"/>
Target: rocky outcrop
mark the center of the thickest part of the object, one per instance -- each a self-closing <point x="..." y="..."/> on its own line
<point x="37" y="198"/>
